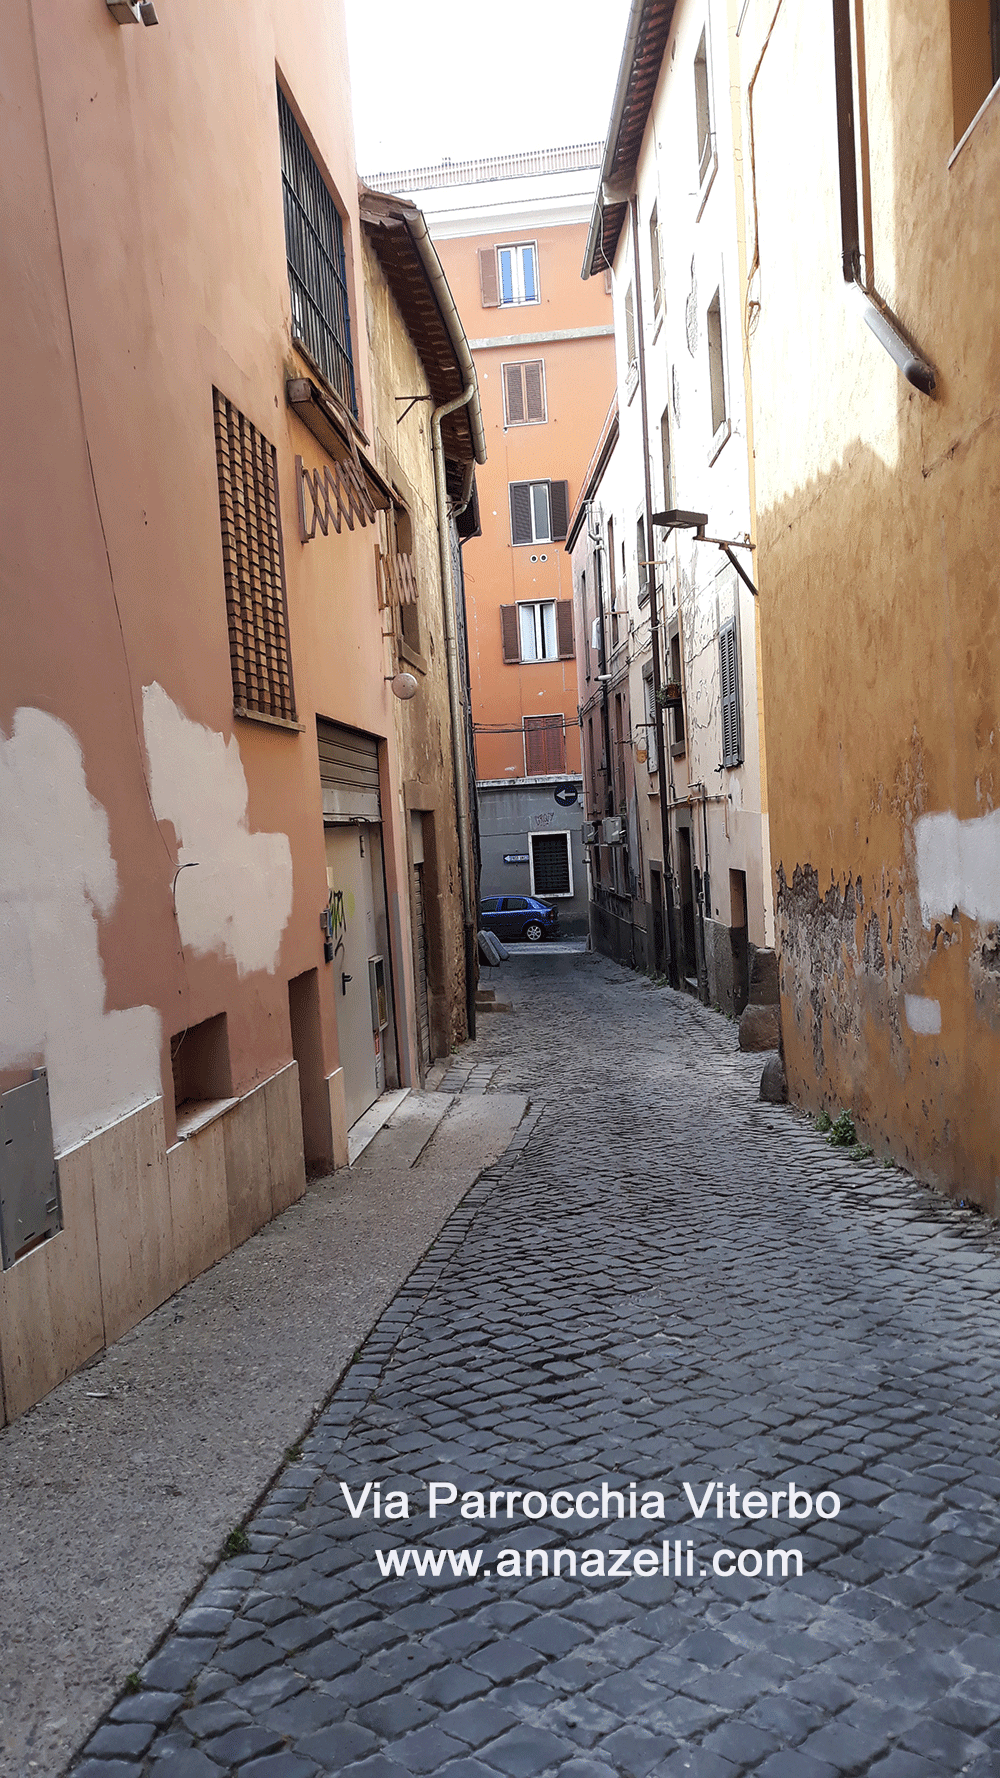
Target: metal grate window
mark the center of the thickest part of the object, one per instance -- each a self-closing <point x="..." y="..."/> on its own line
<point x="551" y="873"/>
<point x="254" y="566"/>
<point x="317" y="270"/>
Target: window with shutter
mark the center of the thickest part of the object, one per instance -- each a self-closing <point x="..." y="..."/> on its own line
<point x="564" y="628"/>
<point x="517" y="272"/>
<point x="716" y="364"/>
<point x="654" y="258"/>
<point x="489" y="283"/>
<point x="629" y="326"/>
<point x="641" y="560"/>
<point x="539" y="512"/>
<point x="524" y="393"/>
<point x="509" y="633"/>
<point x="729" y="679"/>
<point x="975" y="57"/>
<point x="559" y="495"/>
<point x="703" y="109"/>
<point x="544" y="746"/>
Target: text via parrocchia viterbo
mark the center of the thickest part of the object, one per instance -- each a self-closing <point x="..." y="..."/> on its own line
<point x="596" y="1509"/>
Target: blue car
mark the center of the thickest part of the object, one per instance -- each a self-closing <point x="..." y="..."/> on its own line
<point x="518" y="916"/>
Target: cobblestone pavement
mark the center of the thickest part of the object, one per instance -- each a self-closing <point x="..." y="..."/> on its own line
<point x="663" y="1282"/>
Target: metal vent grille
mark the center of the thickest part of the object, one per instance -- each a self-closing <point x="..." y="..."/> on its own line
<point x="254" y="566"/>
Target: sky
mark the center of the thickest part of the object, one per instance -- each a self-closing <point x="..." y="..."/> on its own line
<point x="436" y="78"/>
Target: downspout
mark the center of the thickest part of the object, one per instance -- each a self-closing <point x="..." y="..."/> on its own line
<point x="470" y="394"/>
<point x="654" y="616"/>
<point x="455" y="695"/>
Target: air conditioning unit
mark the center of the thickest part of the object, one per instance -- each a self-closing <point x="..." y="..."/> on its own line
<point x="614" y="830"/>
<point x="590" y="833"/>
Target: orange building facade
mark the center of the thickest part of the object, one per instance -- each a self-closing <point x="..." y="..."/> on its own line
<point x="213" y="806"/>
<point x="510" y="233"/>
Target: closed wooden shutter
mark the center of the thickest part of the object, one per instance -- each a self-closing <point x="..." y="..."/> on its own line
<point x="513" y="393"/>
<point x="559" y="492"/>
<point x="488" y="282"/>
<point x="524" y="392"/>
<point x="520" y="512"/>
<point x="509" y="633"/>
<point x="732" y="739"/>
<point x="534" y="390"/>
<point x="544" y="745"/>
<point x="564" y="628"/>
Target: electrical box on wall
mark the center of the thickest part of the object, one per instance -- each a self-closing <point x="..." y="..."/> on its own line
<point x="30" y="1207"/>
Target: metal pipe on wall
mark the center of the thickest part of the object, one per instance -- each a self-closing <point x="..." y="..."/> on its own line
<point x="654" y="616"/>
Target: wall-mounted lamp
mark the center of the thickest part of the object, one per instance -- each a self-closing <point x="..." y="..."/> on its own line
<point x="679" y="520"/>
<point x="133" y="12"/>
<point x="404" y="685"/>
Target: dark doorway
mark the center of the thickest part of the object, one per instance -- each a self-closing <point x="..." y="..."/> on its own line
<point x="686" y="888"/>
<point x="656" y="900"/>
<point x="738" y="939"/>
<point x="314" y="1095"/>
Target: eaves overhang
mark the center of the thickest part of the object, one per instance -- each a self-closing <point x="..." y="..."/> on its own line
<point x="398" y="234"/>
<point x="595" y="470"/>
<point x="646" y="39"/>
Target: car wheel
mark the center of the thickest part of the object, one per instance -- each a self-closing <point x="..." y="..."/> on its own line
<point x="533" y="931"/>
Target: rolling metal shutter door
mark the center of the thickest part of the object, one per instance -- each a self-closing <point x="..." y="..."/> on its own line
<point x="348" y="773"/>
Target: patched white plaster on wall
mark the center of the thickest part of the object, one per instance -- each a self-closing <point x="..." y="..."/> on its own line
<point x="238" y="899"/>
<point x="58" y="880"/>
<point x="958" y="866"/>
<point x="923" y="1015"/>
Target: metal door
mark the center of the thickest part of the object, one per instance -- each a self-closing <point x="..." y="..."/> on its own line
<point x="349" y="855"/>
<point x="420" y="968"/>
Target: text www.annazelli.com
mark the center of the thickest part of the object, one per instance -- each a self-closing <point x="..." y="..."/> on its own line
<point x="675" y="1557"/>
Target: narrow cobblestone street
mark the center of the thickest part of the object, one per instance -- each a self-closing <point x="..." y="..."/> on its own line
<point x="662" y="1282"/>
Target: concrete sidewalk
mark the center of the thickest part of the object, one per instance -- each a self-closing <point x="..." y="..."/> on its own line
<point x="118" y="1490"/>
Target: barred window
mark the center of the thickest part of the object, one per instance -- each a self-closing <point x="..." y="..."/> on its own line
<point x="317" y="268"/>
<point x="254" y="566"/>
<point x="551" y="864"/>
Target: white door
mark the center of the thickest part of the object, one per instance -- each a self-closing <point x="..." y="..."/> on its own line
<point x="349" y="876"/>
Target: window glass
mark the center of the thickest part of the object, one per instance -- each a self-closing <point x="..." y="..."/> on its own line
<point x="528" y="273"/>
<point x="518" y="269"/>
<point x="490" y="904"/>
<point x="540" y="511"/>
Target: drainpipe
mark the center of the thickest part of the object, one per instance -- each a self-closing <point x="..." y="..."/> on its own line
<point x="654" y="616"/>
<point x="417" y="227"/>
<point x="878" y="316"/>
<point x="455" y="696"/>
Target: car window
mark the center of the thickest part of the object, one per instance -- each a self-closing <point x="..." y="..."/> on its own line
<point x="517" y="903"/>
<point x="490" y="904"/>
